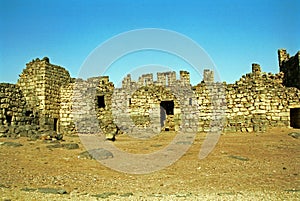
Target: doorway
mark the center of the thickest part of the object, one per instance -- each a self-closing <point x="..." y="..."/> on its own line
<point x="295" y="117"/>
<point x="55" y="122"/>
<point x="168" y="106"/>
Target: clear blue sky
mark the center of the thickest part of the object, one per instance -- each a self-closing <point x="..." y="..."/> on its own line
<point x="235" y="33"/>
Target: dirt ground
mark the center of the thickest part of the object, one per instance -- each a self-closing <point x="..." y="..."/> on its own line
<point x="242" y="166"/>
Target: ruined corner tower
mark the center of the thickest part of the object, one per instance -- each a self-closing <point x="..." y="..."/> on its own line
<point x="40" y="83"/>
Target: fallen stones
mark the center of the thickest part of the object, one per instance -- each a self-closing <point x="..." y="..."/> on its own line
<point x="104" y="195"/>
<point x="241" y="158"/>
<point x="97" y="154"/>
<point x="52" y="190"/>
<point x="11" y="144"/>
<point x="45" y="190"/>
<point x="54" y="146"/>
<point x="294" y="134"/>
<point x="68" y="146"/>
<point x="51" y="135"/>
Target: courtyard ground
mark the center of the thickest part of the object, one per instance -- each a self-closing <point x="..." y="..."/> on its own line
<point x="242" y="166"/>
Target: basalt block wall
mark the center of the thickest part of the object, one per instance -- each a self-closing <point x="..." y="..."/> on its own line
<point x="290" y="66"/>
<point x="46" y="97"/>
<point x="16" y="118"/>
<point x="40" y="83"/>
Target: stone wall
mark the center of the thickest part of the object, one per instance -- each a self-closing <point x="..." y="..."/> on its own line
<point x="46" y="98"/>
<point x="290" y="66"/>
<point x="151" y="106"/>
<point x="66" y="122"/>
<point x="258" y="101"/>
<point x="15" y="117"/>
<point x="86" y="106"/>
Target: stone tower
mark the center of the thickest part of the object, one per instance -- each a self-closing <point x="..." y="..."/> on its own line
<point x="40" y="83"/>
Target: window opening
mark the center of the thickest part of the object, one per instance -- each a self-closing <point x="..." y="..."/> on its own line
<point x="100" y="102"/>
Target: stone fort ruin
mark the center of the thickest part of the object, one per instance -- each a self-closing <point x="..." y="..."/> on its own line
<point x="46" y="98"/>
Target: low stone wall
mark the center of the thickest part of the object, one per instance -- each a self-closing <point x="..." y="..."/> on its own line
<point x="16" y="119"/>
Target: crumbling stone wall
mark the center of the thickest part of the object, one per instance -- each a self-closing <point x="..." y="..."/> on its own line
<point x="77" y="107"/>
<point x="141" y="104"/>
<point x="15" y="117"/>
<point x="104" y="93"/>
<point x="258" y="101"/>
<point x="142" y="101"/>
<point x="46" y="98"/>
<point x="66" y="121"/>
<point x="86" y="106"/>
<point x="290" y="66"/>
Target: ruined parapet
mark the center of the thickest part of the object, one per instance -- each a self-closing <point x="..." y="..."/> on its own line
<point x="184" y="78"/>
<point x="126" y="81"/>
<point x="282" y="57"/>
<point x="171" y="78"/>
<point x="208" y="76"/>
<point x="161" y="79"/>
<point x="103" y="80"/>
<point x="256" y="70"/>
<point x="290" y="66"/>
<point x="145" y="80"/>
<point x="166" y="78"/>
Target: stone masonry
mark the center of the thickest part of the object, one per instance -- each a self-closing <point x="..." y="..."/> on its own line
<point x="290" y="66"/>
<point x="40" y="83"/>
<point x="15" y="117"/>
<point x="46" y="98"/>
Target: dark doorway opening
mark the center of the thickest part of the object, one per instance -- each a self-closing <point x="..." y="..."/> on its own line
<point x="55" y="124"/>
<point x="168" y="106"/>
<point x="100" y="102"/>
<point x="295" y="117"/>
<point x="8" y="119"/>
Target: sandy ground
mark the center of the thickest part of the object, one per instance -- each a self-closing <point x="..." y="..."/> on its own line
<point x="242" y="166"/>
